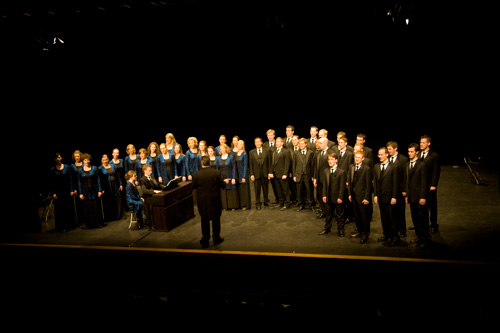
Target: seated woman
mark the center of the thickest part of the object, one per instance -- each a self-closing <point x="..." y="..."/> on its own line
<point x="134" y="199"/>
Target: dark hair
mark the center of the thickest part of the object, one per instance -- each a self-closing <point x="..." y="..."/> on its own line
<point x="414" y="145"/>
<point x="205" y="160"/>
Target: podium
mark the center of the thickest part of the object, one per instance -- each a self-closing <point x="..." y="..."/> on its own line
<point x="172" y="207"/>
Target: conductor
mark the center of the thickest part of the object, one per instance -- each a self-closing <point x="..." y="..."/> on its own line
<point x="208" y="183"/>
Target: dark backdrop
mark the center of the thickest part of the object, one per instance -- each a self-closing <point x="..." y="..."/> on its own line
<point x="205" y="68"/>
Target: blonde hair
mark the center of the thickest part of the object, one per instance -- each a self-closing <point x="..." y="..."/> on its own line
<point x="192" y="138"/>
<point x="76" y="152"/>
<point x="225" y="146"/>
<point x="171" y="136"/>
<point x="242" y="142"/>
<point x="131" y="146"/>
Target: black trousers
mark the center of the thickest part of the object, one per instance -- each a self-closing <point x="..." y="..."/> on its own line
<point x="387" y="212"/>
<point x="283" y="192"/>
<point x="335" y="211"/>
<point x="420" y="218"/>
<point x="205" y="229"/>
<point x="261" y="183"/>
<point x="304" y="190"/>
<point x="361" y="216"/>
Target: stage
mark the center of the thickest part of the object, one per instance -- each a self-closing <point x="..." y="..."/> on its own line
<point x="467" y="215"/>
<point x="273" y="265"/>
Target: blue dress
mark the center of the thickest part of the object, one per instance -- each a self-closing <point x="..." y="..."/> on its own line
<point x="139" y="165"/>
<point x="130" y="164"/>
<point x="111" y="199"/>
<point x="64" y="209"/>
<point x="193" y="162"/>
<point x="180" y="166"/>
<point x="166" y="168"/>
<point x="133" y="198"/>
<point x="229" y="195"/>
<point x="89" y="185"/>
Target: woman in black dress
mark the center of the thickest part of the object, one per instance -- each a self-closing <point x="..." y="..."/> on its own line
<point x="227" y="168"/>
<point x="90" y="191"/>
<point x="241" y="159"/>
<point x="62" y="193"/>
<point x="111" y="186"/>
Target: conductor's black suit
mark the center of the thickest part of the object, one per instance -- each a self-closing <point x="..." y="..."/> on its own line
<point x="208" y="183"/>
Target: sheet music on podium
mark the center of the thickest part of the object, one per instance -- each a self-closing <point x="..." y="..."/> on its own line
<point x="172" y="183"/>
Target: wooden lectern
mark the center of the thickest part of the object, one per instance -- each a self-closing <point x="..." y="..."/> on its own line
<point x="172" y="207"/>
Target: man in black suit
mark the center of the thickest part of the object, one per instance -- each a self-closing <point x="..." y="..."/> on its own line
<point x="208" y="183"/>
<point x="334" y="187"/>
<point x="320" y="163"/>
<point x="431" y="159"/>
<point x="416" y="191"/>
<point x="270" y="144"/>
<point x="361" y="138"/>
<point x="311" y="142"/>
<point x="301" y="170"/>
<point x="149" y="186"/>
<point x="386" y="185"/>
<point x="346" y="158"/>
<point x="359" y="179"/>
<point x="400" y="207"/>
<point x="259" y="171"/>
<point x="280" y="169"/>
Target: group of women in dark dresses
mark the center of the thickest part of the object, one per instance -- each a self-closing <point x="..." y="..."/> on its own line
<point x="88" y="196"/>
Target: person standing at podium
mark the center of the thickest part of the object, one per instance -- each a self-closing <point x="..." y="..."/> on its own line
<point x="208" y="184"/>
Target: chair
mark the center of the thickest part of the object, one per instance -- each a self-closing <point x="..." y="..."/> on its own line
<point x="474" y="170"/>
<point x="133" y="217"/>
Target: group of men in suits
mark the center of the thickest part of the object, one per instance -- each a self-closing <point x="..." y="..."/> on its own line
<point x="339" y="181"/>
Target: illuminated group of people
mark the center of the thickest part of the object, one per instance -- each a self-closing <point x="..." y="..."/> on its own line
<point x="338" y="181"/>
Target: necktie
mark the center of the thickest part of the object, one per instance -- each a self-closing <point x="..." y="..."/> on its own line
<point x="331" y="170"/>
<point x="424" y="155"/>
<point x="304" y="152"/>
<point x="279" y="150"/>
<point x="259" y="151"/>
<point x="412" y="164"/>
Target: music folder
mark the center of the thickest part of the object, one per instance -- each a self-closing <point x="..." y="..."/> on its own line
<point x="172" y="183"/>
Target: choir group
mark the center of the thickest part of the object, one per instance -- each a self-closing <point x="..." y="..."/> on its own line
<point x="338" y="181"/>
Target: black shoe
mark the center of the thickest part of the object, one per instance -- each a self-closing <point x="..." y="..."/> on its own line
<point x="301" y="207"/>
<point x="434" y="230"/>
<point x="324" y="232"/>
<point x="355" y="235"/>
<point x="363" y="240"/>
<point x="341" y="233"/>
<point x="415" y="241"/>
<point x="219" y="240"/>
<point x="320" y="216"/>
<point x="204" y="243"/>
<point x="259" y="207"/>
